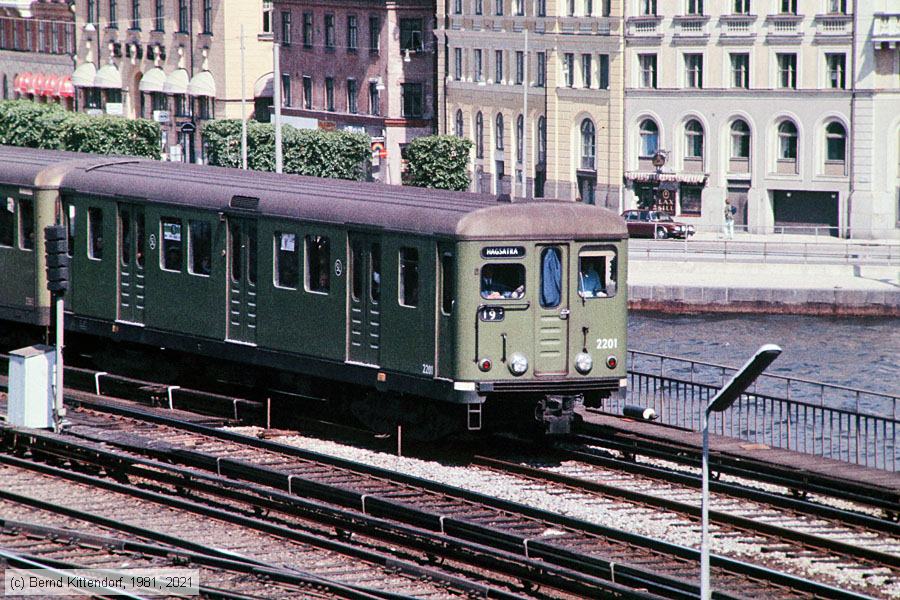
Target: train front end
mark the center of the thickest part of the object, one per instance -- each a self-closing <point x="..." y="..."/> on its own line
<point x="543" y="314"/>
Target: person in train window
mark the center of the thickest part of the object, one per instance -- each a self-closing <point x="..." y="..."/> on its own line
<point x="590" y="284"/>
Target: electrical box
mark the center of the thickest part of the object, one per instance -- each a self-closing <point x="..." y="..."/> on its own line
<point x="31" y="373"/>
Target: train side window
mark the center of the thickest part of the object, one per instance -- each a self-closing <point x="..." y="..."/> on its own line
<point x="199" y="248"/>
<point x="503" y="280"/>
<point x="251" y="253"/>
<point x="26" y="224"/>
<point x="551" y="277"/>
<point x="356" y="270"/>
<point x="125" y="242"/>
<point x="318" y="264"/>
<point x="95" y="233"/>
<point x="409" y="277"/>
<point x="139" y="235"/>
<point x="597" y="272"/>
<point x="234" y="231"/>
<point x="448" y="291"/>
<point x="171" y="252"/>
<point x="287" y="263"/>
<point x="70" y="225"/>
<point x="8" y="223"/>
<point x="375" y="274"/>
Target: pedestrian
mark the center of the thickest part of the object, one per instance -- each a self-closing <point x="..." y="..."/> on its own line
<point x="728" y="228"/>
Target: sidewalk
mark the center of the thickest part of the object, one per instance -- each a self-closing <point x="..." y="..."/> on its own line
<point x="698" y="284"/>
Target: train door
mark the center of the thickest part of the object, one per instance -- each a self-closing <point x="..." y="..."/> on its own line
<point x="551" y="325"/>
<point x="131" y="263"/>
<point x="364" y="345"/>
<point x="242" y="290"/>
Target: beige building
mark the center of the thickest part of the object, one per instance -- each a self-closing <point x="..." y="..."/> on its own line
<point x="537" y="86"/>
<point x="175" y="61"/>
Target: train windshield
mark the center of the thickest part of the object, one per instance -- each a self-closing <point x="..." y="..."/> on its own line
<point x="505" y="280"/>
<point x="597" y="272"/>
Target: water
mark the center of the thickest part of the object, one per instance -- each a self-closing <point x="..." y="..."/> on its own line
<point x="860" y="353"/>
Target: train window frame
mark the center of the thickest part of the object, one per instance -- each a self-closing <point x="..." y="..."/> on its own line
<point x="95" y="233"/>
<point x="375" y="270"/>
<point x="408" y="280"/>
<point x="448" y="287"/>
<point x="126" y="231"/>
<point x="323" y="267"/>
<point x="8" y="220"/>
<point x="71" y="215"/>
<point x="164" y="246"/>
<point x="542" y="291"/>
<point x="610" y="254"/>
<point x="515" y="293"/>
<point x="26" y="224"/>
<point x="284" y="242"/>
<point x="195" y="225"/>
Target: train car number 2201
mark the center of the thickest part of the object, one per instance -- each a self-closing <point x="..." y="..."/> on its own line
<point x="607" y="343"/>
<point x="492" y="313"/>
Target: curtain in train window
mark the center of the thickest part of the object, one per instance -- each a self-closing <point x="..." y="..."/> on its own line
<point x="551" y="277"/>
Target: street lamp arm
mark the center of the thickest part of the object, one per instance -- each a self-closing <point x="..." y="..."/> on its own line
<point x="743" y="378"/>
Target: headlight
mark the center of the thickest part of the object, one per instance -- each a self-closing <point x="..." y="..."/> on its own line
<point x="518" y="364"/>
<point x="584" y="363"/>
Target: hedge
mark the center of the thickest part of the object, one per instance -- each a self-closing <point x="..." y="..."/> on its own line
<point x="439" y="161"/>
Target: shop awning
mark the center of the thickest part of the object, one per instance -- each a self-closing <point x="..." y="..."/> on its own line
<point x="176" y="82"/>
<point x="84" y="75"/>
<point x="653" y="177"/>
<point x="66" y="89"/>
<point x="263" y="87"/>
<point x="22" y="82"/>
<point x="51" y="85"/>
<point x="37" y="84"/>
<point x="108" y="77"/>
<point x="153" y="80"/>
<point x="202" y="84"/>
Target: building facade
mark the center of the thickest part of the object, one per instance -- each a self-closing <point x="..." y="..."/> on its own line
<point x="761" y="102"/>
<point x="37" y="42"/>
<point x="175" y="61"/>
<point x="537" y="86"/>
<point x="364" y="67"/>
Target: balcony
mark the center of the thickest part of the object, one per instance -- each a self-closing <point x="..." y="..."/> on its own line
<point x="886" y="31"/>
<point x="645" y="28"/>
<point x="737" y="29"/>
<point x="784" y="29"/>
<point x="691" y="29"/>
<point x="834" y="28"/>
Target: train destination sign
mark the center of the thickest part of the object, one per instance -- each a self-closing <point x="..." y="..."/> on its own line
<point x="503" y="252"/>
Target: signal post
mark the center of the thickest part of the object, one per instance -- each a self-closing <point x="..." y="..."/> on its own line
<point x="56" y="247"/>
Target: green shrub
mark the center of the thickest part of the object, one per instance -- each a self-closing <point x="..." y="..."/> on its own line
<point x="439" y="161"/>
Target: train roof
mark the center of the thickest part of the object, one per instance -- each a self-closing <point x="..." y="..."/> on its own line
<point x="20" y="166"/>
<point x="459" y="215"/>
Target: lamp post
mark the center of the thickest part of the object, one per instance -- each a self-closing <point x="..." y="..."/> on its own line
<point x="730" y="392"/>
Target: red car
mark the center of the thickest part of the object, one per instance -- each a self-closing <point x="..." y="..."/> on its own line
<point x="655" y="224"/>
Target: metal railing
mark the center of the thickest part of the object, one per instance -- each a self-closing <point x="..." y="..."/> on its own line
<point x="843" y="423"/>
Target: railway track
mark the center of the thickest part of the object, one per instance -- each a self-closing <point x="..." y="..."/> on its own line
<point x="666" y="569"/>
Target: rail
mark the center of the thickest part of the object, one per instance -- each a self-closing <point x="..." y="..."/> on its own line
<point x="843" y="423"/>
<point x="768" y="251"/>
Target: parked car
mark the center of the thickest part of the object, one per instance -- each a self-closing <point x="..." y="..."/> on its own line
<point x="655" y="224"/>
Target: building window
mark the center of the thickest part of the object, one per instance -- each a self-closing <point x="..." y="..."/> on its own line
<point x="307" y="92"/>
<point x="498" y="8"/>
<point x="159" y="101"/>
<point x="329" y="32"/>
<point x="352" y="107"/>
<point x="520" y="67"/>
<point x="787" y="70"/>
<point x="586" y="70"/>
<point x="183" y="21"/>
<point x="203" y="108"/>
<point x="647" y="64"/>
<point x="267" y="16"/>
<point x="837" y="7"/>
<point x="286" y="89"/>
<point x="207" y="16"/>
<point x="787" y="141"/>
<point x="412" y="99"/>
<point x="457" y="7"/>
<point x="588" y="145"/>
<point x="588" y="7"/>
<point x="329" y="94"/>
<point x="604" y="71"/>
<point x="836" y="142"/>
<point x="479" y="72"/>
<point x="541" y="8"/>
<point x="740" y="139"/>
<point x="695" y="7"/>
<point x="520" y="8"/>
<point x="459" y="124"/>
<point x="479" y="7"/>
<point x="647" y="7"/>
<point x="740" y="71"/>
<point x="837" y="64"/>
<point x="649" y="138"/>
<point x="135" y="14"/>
<point x="457" y="64"/>
<point x="693" y="140"/>
<point x="541" y="78"/>
<point x="542" y="140"/>
<point x="159" y="15"/>
<point x="287" y="261"/>
<point x="691" y="199"/>
<point x="789" y="7"/>
<point x="499" y="132"/>
<point x="742" y="7"/>
<point x="352" y="33"/>
<point x="520" y="138"/>
<point x="374" y="99"/>
<point x="171" y="253"/>
<point x="570" y="8"/>
<point x="318" y="264"/>
<point x="91" y="12"/>
<point x="408" y="289"/>
<point x="569" y="69"/>
<point x="182" y="106"/>
<point x="286" y="27"/>
<point x="498" y="66"/>
<point x="479" y="136"/>
<point x="693" y="70"/>
<point x="411" y="34"/>
<point x="199" y="248"/>
<point x="374" y="33"/>
<point x="307" y="29"/>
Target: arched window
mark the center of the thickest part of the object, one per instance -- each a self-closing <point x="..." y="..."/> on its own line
<point x="520" y="138"/>
<point x="740" y="139"/>
<point x="836" y="142"/>
<point x="498" y="131"/>
<point x="693" y="139"/>
<point x="649" y="138"/>
<point x="459" y="123"/>
<point x="479" y="136"/>
<point x="542" y="140"/>
<point x="588" y="145"/>
<point x="787" y="141"/>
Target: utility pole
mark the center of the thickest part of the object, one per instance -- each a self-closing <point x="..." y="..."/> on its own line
<point x="526" y="122"/>
<point x="243" y="106"/>
<point x="277" y="90"/>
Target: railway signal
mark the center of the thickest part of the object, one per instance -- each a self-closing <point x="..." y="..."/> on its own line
<point x="56" y="248"/>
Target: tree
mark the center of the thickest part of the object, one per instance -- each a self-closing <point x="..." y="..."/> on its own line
<point x="439" y="161"/>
